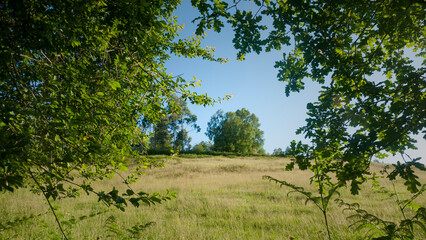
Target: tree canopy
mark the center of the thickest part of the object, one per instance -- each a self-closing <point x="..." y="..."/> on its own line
<point x="75" y="78"/>
<point x="373" y="99"/>
<point x="374" y="95"/>
<point x="235" y="132"/>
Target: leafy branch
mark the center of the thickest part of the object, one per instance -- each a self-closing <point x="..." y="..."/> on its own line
<point x="321" y="201"/>
<point x="404" y="229"/>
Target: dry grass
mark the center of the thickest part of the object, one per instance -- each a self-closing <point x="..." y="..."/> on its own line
<point x="217" y="198"/>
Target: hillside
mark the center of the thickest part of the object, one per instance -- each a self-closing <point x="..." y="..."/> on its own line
<point x="217" y="198"/>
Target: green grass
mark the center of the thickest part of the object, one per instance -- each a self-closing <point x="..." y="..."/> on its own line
<point x="217" y="198"/>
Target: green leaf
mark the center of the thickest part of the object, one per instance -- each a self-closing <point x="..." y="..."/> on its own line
<point x="114" y="85"/>
<point x="129" y="192"/>
<point x="355" y="187"/>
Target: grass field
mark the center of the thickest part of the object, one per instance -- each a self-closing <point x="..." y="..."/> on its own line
<point x="217" y="198"/>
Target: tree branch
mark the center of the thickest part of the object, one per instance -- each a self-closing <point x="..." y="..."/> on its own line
<point x="50" y="205"/>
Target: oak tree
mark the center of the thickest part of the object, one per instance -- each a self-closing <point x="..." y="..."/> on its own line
<point x="364" y="53"/>
<point x="235" y="132"/>
<point x="359" y="114"/>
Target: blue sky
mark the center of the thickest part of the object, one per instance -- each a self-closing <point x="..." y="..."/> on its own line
<point x="253" y="84"/>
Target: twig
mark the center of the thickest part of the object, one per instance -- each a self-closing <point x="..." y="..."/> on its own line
<point x="263" y="3"/>
<point x="46" y="57"/>
<point x="124" y="180"/>
<point x="50" y="205"/>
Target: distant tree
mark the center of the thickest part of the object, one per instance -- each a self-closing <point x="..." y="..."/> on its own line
<point x="202" y="147"/>
<point x="171" y="133"/>
<point x="235" y="132"/>
<point x="182" y="141"/>
<point x="287" y="151"/>
<point x="277" y="152"/>
<point x="180" y="121"/>
<point x="161" y="141"/>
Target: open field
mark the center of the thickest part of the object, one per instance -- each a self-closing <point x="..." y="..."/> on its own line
<point x="217" y="198"/>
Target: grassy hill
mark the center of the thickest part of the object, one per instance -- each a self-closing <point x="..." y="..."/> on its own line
<point x="217" y="198"/>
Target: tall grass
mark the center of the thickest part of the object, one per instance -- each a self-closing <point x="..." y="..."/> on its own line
<point x="217" y="198"/>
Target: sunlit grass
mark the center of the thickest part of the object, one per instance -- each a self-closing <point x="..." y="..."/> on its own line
<point x="217" y="198"/>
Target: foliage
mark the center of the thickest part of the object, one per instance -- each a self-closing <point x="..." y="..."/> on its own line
<point x="170" y="133"/>
<point x="280" y="152"/>
<point x="202" y="147"/>
<point x="180" y="119"/>
<point x="135" y="232"/>
<point x="182" y="141"/>
<point x="345" y="45"/>
<point x="161" y="139"/>
<point x="75" y="78"/>
<point x="387" y="230"/>
<point x="277" y="152"/>
<point x="235" y="132"/>
<point x="357" y="115"/>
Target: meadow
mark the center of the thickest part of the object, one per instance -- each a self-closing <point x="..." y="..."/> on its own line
<point x="217" y="198"/>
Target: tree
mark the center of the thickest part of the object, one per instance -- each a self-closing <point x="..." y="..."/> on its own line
<point x="182" y="141"/>
<point x="170" y="132"/>
<point x="357" y="115"/>
<point x="161" y="141"/>
<point x="235" y="132"/>
<point x="202" y="147"/>
<point x="75" y="78"/>
<point x="180" y="121"/>
<point x="278" y="152"/>
<point x="345" y="45"/>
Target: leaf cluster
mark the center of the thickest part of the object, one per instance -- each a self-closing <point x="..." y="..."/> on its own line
<point x="113" y="198"/>
<point x="76" y="77"/>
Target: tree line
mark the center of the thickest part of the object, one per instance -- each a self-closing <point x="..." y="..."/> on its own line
<point x="231" y="132"/>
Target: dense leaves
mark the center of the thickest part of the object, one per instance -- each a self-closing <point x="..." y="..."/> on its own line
<point x="75" y="78"/>
<point x="363" y="50"/>
<point x="235" y="132"/>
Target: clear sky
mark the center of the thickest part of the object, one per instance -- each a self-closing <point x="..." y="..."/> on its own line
<point x="253" y="84"/>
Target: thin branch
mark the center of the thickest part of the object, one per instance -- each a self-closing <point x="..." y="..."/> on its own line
<point x="46" y="57"/>
<point x="124" y="180"/>
<point x="50" y="205"/>
<point x="258" y="10"/>
<point x="33" y="59"/>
